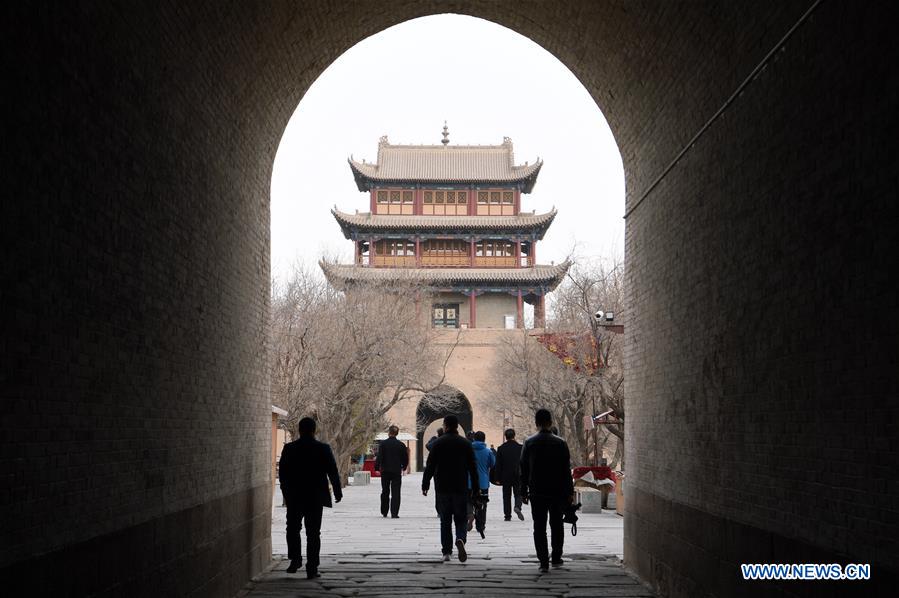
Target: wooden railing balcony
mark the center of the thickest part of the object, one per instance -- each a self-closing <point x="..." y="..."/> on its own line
<point x="494" y="262"/>
<point x="445" y="261"/>
<point x="404" y="261"/>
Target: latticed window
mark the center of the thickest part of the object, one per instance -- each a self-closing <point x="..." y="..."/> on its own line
<point x="482" y="197"/>
<point x="494" y="197"/>
<point x="382" y="197"/>
<point x="451" y="197"/>
<point x="494" y="249"/>
<point x="407" y="197"/>
<point x="429" y="197"/>
<point x="396" y="248"/>
<point x="507" y="197"/>
<point x="394" y="197"/>
<point x="438" y="197"/>
<point x="446" y="248"/>
<point x="461" y="197"/>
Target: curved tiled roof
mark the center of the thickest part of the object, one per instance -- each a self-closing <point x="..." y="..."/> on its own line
<point x="367" y="221"/>
<point x="544" y="275"/>
<point x="445" y="164"/>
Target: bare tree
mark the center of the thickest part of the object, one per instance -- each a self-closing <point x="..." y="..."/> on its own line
<point x="346" y="357"/>
<point x="574" y="370"/>
<point x="590" y="287"/>
<point x="529" y="377"/>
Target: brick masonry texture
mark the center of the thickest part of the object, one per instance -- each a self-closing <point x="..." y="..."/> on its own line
<point x="761" y="348"/>
<point x="762" y="332"/>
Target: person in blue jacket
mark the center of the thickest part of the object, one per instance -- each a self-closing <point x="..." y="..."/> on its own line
<point x="485" y="460"/>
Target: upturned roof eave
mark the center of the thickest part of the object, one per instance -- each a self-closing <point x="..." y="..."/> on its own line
<point x="343" y="274"/>
<point x="503" y="224"/>
<point x="364" y="180"/>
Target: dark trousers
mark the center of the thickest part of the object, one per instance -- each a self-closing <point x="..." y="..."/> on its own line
<point x="453" y="508"/>
<point x="540" y="509"/>
<point x="390" y="492"/>
<point x="508" y="491"/>
<point x="479" y="512"/>
<point x="298" y="512"/>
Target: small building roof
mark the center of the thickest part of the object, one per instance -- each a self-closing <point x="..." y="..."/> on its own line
<point x="445" y="164"/>
<point x="548" y="276"/>
<point x="380" y="223"/>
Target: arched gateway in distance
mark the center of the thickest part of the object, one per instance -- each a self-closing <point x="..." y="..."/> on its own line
<point x="450" y="217"/>
<point x="431" y="410"/>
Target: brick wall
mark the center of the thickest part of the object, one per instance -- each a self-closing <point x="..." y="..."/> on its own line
<point x="761" y="349"/>
<point x="494" y="307"/>
<point x="469" y="370"/>
<point x="135" y="297"/>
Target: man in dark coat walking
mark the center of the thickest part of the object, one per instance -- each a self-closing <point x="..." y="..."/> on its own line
<point x="546" y="481"/>
<point x="451" y="463"/>
<point x="428" y="446"/>
<point x="508" y="473"/>
<point x="392" y="460"/>
<point x="305" y="468"/>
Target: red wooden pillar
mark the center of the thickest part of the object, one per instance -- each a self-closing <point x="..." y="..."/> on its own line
<point x="416" y="206"/>
<point x="518" y="253"/>
<point x="373" y="201"/>
<point x="519" y="321"/>
<point x="357" y="253"/>
<point x="517" y="200"/>
<point x="473" y="309"/>
<point x="540" y="313"/>
<point x="417" y="252"/>
<point x="471" y="253"/>
<point x="371" y="251"/>
<point x="472" y="201"/>
<point x="532" y="259"/>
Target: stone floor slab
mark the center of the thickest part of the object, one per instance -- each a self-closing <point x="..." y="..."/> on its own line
<point x="364" y="554"/>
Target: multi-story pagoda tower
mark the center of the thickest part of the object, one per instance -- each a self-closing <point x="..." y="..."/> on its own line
<point x="450" y="216"/>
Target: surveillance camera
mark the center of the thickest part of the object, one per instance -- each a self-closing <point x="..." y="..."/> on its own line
<point x="598" y="315"/>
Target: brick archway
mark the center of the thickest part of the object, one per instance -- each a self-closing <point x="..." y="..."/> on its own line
<point x="760" y="253"/>
<point x="431" y="409"/>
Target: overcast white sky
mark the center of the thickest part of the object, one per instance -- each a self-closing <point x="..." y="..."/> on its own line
<point x="487" y="82"/>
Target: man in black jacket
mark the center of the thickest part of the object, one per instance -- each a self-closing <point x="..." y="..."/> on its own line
<point x="392" y="460"/>
<point x="428" y="446"/>
<point x="305" y="468"/>
<point x="546" y="481"/>
<point x="508" y="473"/>
<point x="451" y="463"/>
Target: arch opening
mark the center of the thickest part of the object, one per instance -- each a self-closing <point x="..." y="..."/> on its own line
<point x="582" y="177"/>
<point x="744" y="219"/>
<point x="432" y="408"/>
<point x="328" y="126"/>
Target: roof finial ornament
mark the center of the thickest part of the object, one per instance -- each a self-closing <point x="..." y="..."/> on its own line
<point x="445" y="139"/>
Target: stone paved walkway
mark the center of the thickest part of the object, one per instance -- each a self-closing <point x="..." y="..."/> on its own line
<point x="364" y="554"/>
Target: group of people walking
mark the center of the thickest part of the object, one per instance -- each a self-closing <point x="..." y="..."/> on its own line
<point x="536" y="473"/>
